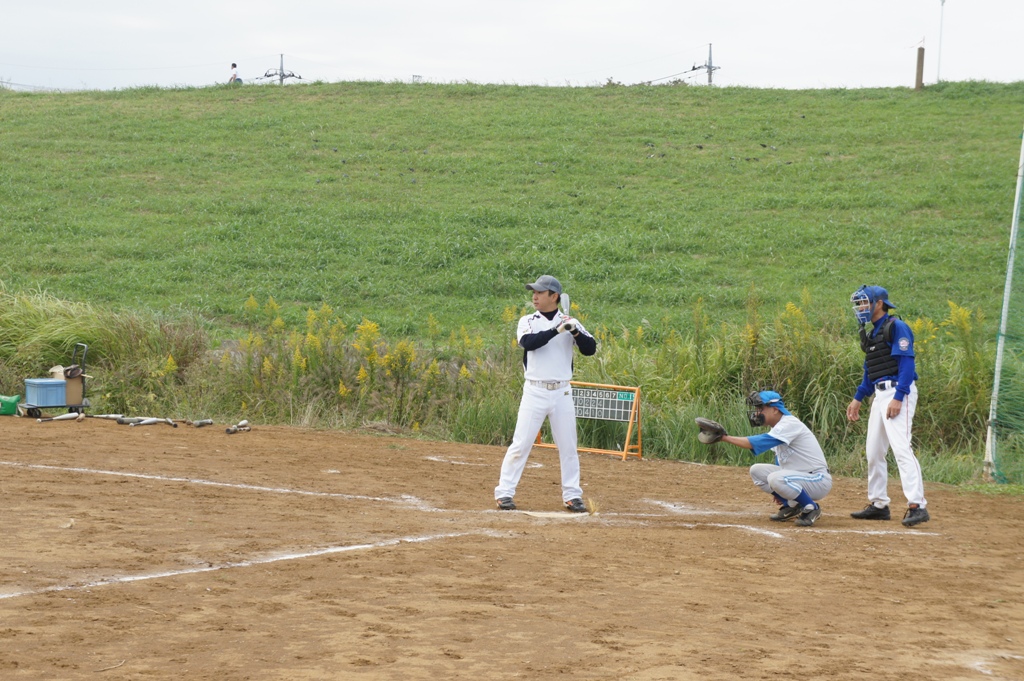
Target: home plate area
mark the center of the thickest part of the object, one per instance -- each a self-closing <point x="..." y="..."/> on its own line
<point x="294" y="554"/>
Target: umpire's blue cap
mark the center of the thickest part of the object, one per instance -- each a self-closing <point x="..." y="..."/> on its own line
<point x="876" y="293"/>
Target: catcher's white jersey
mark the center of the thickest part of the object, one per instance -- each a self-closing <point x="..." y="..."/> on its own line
<point x="553" y="361"/>
<point x="799" y="450"/>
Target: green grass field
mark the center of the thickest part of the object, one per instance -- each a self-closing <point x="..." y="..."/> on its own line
<point x="394" y="201"/>
<point x="682" y="220"/>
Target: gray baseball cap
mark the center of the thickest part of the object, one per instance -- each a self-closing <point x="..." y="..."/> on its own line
<point x="546" y="282"/>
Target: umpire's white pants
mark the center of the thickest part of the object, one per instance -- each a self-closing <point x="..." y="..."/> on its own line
<point x="788" y="483"/>
<point x="884" y="433"/>
<point x="537" y="404"/>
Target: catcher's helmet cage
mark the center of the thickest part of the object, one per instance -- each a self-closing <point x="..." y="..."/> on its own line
<point x="758" y="400"/>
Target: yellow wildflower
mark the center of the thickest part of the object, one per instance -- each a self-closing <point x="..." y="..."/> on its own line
<point x="271" y="308"/>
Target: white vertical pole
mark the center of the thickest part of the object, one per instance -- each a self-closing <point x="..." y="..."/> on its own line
<point x="282" y="69"/>
<point x="990" y="437"/>
<point x="938" y="69"/>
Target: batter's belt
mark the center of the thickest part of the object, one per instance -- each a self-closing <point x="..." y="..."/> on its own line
<point x="549" y="385"/>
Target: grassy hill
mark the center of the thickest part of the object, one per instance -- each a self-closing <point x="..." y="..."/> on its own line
<point x="397" y="201"/>
<point x="682" y="220"/>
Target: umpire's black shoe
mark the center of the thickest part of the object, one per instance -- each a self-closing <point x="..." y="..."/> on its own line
<point x="872" y="512"/>
<point x="506" y="504"/>
<point x="807" y="518"/>
<point x="575" y="506"/>
<point x="916" y="515"/>
<point x="786" y="512"/>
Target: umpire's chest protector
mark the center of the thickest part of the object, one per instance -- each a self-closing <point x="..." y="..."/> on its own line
<point x="878" y="352"/>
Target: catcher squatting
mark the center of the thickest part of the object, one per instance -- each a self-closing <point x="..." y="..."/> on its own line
<point x="799" y="477"/>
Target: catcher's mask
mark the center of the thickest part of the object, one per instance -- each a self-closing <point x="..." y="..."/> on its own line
<point x="758" y="400"/>
<point x="864" y="299"/>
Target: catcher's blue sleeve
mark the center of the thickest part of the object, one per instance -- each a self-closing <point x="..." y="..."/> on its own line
<point x="762" y="443"/>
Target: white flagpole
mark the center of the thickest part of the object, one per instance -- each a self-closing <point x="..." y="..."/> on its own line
<point x="990" y="438"/>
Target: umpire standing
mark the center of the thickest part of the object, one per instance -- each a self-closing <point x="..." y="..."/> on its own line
<point x="889" y="375"/>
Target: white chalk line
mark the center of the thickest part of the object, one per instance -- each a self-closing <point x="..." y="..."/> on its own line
<point x="457" y="462"/>
<point x="902" y="533"/>
<point x="274" y="558"/>
<point x="684" y="509"/>
<point x="404" y="499"/>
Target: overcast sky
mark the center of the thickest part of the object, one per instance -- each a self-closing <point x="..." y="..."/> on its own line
<point x="107" y="44"/>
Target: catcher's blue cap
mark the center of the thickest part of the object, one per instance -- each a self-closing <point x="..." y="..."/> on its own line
<point x="770" y="398"/>
<point x="546" y="282"/>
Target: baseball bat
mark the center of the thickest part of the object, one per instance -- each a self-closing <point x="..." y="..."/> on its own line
<point x="153" y="422"/>
<point x="70" y="416"/>
<point x="104" y="416"/>
<point x="128" y="420"/>
<point x="204" y="422"/>
<point x="145" y="422"/>
<point x="240" y="427"/>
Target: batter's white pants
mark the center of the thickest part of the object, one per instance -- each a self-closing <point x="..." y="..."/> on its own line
<point x="537" y="404"/>
<point x="884" y="433"/>
<point x="788" y="484"/>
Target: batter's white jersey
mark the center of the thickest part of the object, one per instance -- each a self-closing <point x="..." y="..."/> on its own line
<point x="553" y="361"/>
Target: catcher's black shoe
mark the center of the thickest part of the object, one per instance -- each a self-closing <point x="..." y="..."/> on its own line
<point x="506" y="504"/>
<point x="786" y="512"/>
<point x="807" y="518"/>
<point x="872" y="512"/>
<point x="916" y="515"/>
<point x="576" y="506"/>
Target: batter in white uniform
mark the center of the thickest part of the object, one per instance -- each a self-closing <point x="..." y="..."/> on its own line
<point x="547" y="337"/>
<point x="890" y="375"/>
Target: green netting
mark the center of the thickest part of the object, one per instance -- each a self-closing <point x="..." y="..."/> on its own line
<point x="1007" y="445"/>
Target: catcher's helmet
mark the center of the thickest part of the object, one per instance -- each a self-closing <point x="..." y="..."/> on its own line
<point x="758" y="400"/>
<point x="864" y="300"/>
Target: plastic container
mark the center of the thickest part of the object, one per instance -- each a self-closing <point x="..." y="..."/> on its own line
<point x="45" y="392"/>
<point x="9" y="405"/>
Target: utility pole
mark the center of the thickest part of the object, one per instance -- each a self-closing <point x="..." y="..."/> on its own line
<point x="919" y="79"/>
<point x="280" y="73"/>
<point x="712" y="68"/>
<point x="938" y="69"/>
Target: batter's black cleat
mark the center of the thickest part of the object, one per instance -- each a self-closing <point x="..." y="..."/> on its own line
<point x="872" y="512"/>
<point x="786" y="512"/>
<point x="575" y="506"/>
<point x="506" y="504"/>
<point x="807" y="518"/>
<point x="916" y="515"/>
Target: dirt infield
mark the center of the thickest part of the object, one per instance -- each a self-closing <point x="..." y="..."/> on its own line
<point x="160" y="553"/>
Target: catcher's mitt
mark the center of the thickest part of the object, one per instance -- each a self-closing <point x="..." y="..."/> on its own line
<point x="710" y="431"/>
